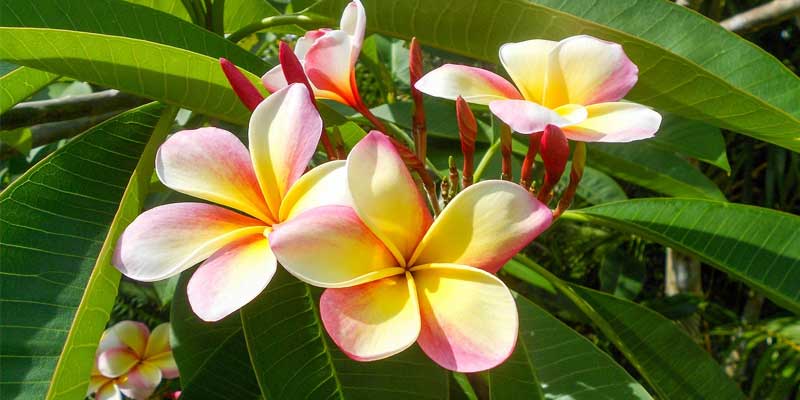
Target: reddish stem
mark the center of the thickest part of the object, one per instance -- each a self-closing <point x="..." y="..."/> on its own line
<point x="505" y="149"/>
<point x="467" y="132"/>
<point x="415" y="72"/>
<point x="526" y="172"/>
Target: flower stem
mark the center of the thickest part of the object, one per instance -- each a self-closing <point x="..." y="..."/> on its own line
<point x="484" y="163"/>
<point x="277" y="20"/>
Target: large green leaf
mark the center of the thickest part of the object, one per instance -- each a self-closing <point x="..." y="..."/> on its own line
<point x="121" y="18"/>
<point x="693" y="139"/>
<point x="654" y="168"/>
<point x="676" y="366"/>
<point x="59" y="223"/>
<point x="689" y="65"/>
<point x="672" y="363"/>
<point x="173" y="7"/>
<point x="172" y="75"/>
<point x="239" y="13"/>
<point x="756" y="245"/>
<point x="20" y="83"/>
<point x="294" y="358"/>
<point x="212" y="357"/>
<point x="558" y="363"/>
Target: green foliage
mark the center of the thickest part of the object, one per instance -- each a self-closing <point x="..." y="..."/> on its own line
<point x="59" y="223"/>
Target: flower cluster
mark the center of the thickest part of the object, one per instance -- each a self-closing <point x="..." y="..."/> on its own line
<point x="131" y="361"/>
<point x="360" y="226"/>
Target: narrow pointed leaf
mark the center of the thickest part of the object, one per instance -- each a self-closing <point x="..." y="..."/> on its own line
<point x="540" y="365"/>
<point x="59" y="223"/>
<point x="758" y="246"/>
<point x="676" y="366"/>
<point x="655" y="168"/>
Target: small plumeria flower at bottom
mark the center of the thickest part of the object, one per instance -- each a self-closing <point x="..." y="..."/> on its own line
<point x="131" y="361"/>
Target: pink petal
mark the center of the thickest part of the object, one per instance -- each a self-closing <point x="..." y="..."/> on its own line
<point x="484" y="226"/>
<point x="469" y="318"/>
<point x="330" y="247"/>
<point x="168" y="239"/>
<point x="526" y="117"/>
<point x="329" y="68"/>
<point x="284" y="132"/>
<point x="373" y="320"/>
<point x="354" y="23"/>
<point x="166" y="363"/>
<point x="615" y="123"/>
<point x="274" y="79"/>
<point x="231" y="278"/>
<point x="595" y="70"/>
<point x="475" y="85"/>
<point x="385" y="196"/>
<point x="116" y="362"/>
<point x="212" y="164"/>
<point x="130" y="335"/>
<point x="527" y="64"/>
<point x="141" y="382"/>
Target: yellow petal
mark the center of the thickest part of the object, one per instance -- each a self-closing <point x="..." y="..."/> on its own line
<point x="385" y="196"/>
<point x="374" y="320"/>
<point x="594" y="70"/>
<point x="284" y="131"/>
<point x="322" y="186"/>
<point x="129" y="335"/>
<point x="484" y="226"/>
<point x="331" y="247"/>
<point x="616" y="123"/>
<point x="469" y="318"/>
<point x="526" y="63"/>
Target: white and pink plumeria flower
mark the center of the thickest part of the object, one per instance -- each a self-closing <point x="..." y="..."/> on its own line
<point x="395" y="276"/>
<point x="575" y="84"/>
<point x="131" y="361"/>
<point x="329" y="58"/>
<point x="263" y="184"/>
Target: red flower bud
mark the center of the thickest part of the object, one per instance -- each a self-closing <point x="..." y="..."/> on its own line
<point x="555" y="152"/>
<point x="292" y="68"/>
<point x="248" y="94"/>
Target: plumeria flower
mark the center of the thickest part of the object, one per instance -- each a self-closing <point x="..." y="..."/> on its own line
<point x="264" y="185"/>
<point x="574" y="84"/>
<point x="329" y="58"/>
<point x="396" y="277"/>
<point x="131" y="360"/>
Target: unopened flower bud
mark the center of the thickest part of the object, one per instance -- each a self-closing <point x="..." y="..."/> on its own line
<point x="244" y="89"/>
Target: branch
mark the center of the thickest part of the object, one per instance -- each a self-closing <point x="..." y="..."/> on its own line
<point x="67" y="108"/>
<point x="48" y="133"/>
<point x="761" y="16"/>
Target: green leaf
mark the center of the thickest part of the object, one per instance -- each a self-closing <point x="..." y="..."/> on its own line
<point x="212" y="357"/>
<point x="239" y="13"/>
<point x="672" y="362"/>
<point x="121" y="18"/>
<point x="597" y="188"/>
<point x="172" y="7"/>
<point x="758" y="246"/>
<point x="59" y="222"/>
<point x="541" y="363"/>
<point x="149" y="69"/>
<point x="654" y="168"/>
<point x="20" y="83"/>
<point x="692" y="139"/>
<point x="294" y="358"/>
<point x="689" y="66"/>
